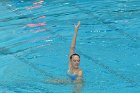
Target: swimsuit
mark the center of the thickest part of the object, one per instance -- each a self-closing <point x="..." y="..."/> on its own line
<point x="72" y="76"/>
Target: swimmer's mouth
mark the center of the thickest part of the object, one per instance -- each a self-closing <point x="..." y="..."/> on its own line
<point x="77" y="65"/>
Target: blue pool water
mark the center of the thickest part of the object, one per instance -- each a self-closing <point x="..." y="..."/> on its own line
<point x="35" y="37"/>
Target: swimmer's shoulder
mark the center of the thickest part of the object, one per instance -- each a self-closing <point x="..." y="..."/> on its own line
<point x="80" y="73"/>
<point x="79" y="77"/>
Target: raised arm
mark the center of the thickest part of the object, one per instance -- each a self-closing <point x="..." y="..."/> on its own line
<point x="73" y="43"/>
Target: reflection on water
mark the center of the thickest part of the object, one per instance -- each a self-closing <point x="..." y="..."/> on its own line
<point x="36" y="25"/>
<point x="4" y="51"/>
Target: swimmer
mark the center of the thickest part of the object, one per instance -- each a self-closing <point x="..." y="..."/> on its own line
<point x="74" y="72"/>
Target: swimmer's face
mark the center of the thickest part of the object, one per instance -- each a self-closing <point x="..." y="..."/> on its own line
<point x="75" y="61"/>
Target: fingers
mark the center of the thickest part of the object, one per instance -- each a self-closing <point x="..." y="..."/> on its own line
<point x="77" y="24"/>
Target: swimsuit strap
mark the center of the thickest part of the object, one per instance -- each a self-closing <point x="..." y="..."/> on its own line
<point x="69" y="72"/>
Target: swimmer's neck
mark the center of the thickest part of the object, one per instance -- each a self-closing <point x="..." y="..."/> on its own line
<point x="74" y="69"/>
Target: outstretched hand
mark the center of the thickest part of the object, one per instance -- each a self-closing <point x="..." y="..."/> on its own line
<point x="77" y="26"/>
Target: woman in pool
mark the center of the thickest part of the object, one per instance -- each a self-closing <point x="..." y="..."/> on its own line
<point x="74" y="72"/>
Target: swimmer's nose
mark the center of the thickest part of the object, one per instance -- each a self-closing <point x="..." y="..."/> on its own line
<point x="77" y="62"/>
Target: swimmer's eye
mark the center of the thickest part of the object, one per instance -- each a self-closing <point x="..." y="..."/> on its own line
<point x="76" y="60"/>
